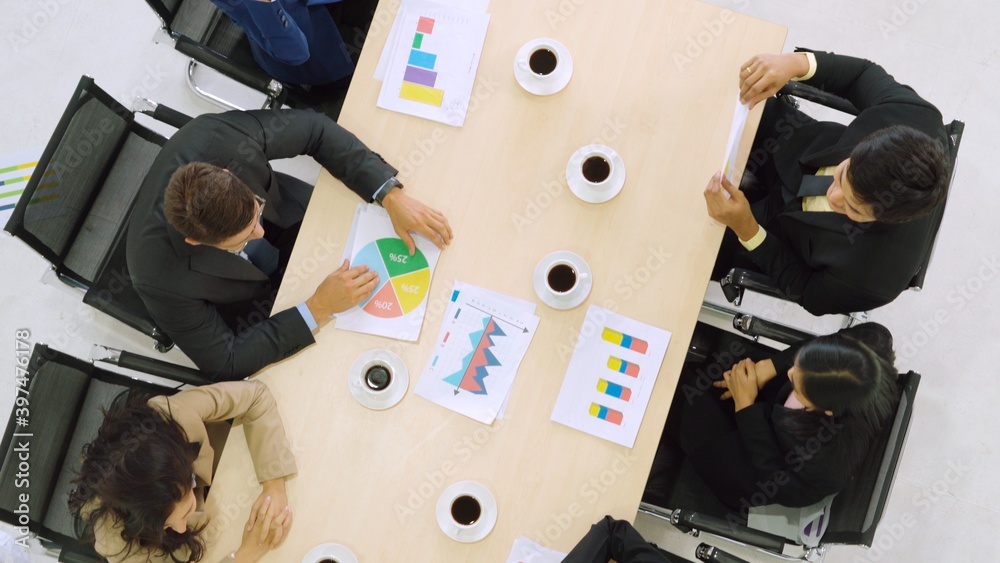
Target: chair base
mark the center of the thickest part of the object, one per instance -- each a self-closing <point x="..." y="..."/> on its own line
<point x="270" y="101"/>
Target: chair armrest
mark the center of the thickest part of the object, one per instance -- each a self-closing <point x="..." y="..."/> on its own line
<point x="128" y="360"/>
<point x="738" y="280"/>
<point x="815" y="95"/>
<point x="705" y="552"/>
<point x="160" y="112"/>
<point x="757" y="327"/>
<point x="255" y="78"/>
<point x="688" y="520"/>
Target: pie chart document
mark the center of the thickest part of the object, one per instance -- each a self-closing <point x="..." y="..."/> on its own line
<point x="396" y="307"/>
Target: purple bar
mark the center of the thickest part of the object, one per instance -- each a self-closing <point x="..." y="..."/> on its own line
<point x="420" y="76"/>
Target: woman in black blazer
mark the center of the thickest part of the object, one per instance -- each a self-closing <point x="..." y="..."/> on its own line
<point x="803" y="420"/>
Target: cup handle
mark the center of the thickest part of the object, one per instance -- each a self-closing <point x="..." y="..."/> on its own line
<point x="583" y="275"/>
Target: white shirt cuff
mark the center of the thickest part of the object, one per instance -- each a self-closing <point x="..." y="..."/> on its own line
<point x="812" y="68"/>
<point x="755" y="240"/>
<point x="307" y="315"/>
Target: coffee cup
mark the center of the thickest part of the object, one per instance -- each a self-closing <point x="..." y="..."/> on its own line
<point x="378" y="376"/>
<point x="543" y="61"/>
<point x="596" y="169"/>
<point x="466" y="510"/>
<point x="562" y="277"/>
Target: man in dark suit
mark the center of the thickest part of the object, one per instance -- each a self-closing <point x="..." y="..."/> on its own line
<point x="193" y="245"/>
<point x="837" y="215"/>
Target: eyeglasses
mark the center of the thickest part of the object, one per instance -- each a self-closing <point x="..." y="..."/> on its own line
<point x="260" y="213"/>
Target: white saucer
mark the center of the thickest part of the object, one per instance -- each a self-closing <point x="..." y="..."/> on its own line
<point x="332" y="550"/>
<point x="385" y="398"/>
<point x="482" y="527"/>
<point x="543" y="85"/>
<point x="586" y="190"/>
<point x="573" y="298"/>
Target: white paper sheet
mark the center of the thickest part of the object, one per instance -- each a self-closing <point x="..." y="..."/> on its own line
<point x="390" y="42"/>
<point x="527" y="551"/>
<point x="733" y="146"/>
<point x="479" y="348"/>
<point x="432" y="65"/>
<point x="611" y="376"/>
<point x="396" y="308"/>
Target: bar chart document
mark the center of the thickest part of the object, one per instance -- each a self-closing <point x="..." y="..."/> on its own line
<point x="611" y="376"/>
<point x="432" y="66"/>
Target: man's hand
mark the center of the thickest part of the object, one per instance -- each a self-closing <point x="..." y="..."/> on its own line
<point x="742" y="383"/>
<point x="341" y="290"/>
<point x="408" y="214"/>
<point x="763" y="75"/>
<point x="733" y="212"/>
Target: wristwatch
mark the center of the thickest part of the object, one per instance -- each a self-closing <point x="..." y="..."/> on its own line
<point x="386" y="187"/>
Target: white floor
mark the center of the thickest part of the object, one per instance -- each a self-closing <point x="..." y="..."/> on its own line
<point x="944" y="507"/>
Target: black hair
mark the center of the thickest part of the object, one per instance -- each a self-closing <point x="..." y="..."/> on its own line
<point x="134" y="473"/>
<point x="900" y="172"/>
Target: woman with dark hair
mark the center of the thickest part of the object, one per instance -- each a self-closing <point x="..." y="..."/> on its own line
<point x="796" y="439"/>
<point x="140" y="491"/>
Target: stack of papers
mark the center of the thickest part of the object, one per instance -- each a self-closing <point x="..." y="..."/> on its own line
<point x="480" y="346"/>
<point x="428" y="66"/>
<point x="397" y="305"/>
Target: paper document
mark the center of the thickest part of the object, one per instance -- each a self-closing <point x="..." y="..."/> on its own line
<point x="396" y="307"/>
<point x="479" y="348"/>
<point x="733" y="146"/>
<point x="15" y="170"/>
<point x="390" y="42"/>
<point x="431" y="67"/>
<point x="527" y="551"/>
<point x="611" y="376"/>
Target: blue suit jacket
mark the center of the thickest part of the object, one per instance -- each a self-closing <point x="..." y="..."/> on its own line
<point x="291" y="41"/>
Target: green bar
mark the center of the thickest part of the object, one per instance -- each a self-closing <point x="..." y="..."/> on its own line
<point x="8" y="194"/>
<point x="418" y="39"/>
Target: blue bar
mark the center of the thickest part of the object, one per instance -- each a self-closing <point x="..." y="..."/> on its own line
<point x="626" y="342"/>
<point x="422" y="59"/>
<point x="457" y="313"/>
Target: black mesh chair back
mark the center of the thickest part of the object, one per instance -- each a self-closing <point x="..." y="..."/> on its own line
<point x="857" y="510"/>
<point x="58" y="410"/>
<point x="74" y="210"/>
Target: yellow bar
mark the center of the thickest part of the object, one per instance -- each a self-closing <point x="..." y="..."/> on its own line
<point x="612" y="336"/>
<point x="614" y="363"/>
<point x="421" y="94"/>
<point x="602" y="385"/>
<point x="595" y="409"/>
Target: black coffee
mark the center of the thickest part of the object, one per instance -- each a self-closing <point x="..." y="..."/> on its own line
<point x="378" y="378"/>
<point x="328" y="560"/>
<point x="543" y="62"/>
<point x="596" y="169"/>
<point x="466" y="510"/>
<point x="562" y="278"/>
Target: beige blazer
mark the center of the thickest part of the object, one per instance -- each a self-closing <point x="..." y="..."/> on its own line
<point x="195" y="410"/>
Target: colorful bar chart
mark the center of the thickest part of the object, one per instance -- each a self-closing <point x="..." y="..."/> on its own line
<point x="614" y="390"/>
<point x="419" y="78"/>
<point x="621" y="366"/>
<point x="12" y="187"/>
<point x="606" y="414"/>
<point x="624" y="340"/>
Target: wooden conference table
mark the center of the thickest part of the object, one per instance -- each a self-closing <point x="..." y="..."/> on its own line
<point x="656" y="81"/>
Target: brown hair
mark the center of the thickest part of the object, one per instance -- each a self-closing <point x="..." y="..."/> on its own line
<point x="207" y="203"/>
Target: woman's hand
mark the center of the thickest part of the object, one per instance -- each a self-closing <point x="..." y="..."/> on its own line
<point x="741" y="384"/>
<point x="272" y="512"/>
<point x="252" y="550"/>
<point x="763" y="75"/>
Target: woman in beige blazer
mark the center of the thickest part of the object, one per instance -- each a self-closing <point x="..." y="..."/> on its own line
<point x="140" y="492"/>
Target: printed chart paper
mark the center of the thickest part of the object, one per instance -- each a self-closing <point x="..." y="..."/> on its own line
<point x="733" y="146"/>
<point x="390" y="42"/>
<point x="396" y="308"/>
<point x="479" y="348"/>
<point x="432" y="67"/>
<point x="527" y="551"/>
<point x="611" y="376"/>
<point x="15" y="171"/>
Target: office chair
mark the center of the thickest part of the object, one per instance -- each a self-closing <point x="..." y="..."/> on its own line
<point x="680" y="497"/>
<point x="57" y="411"/>
<point x="738" y="280"/>
<point x="75" y="208"/>
<point x="209" y="38"/>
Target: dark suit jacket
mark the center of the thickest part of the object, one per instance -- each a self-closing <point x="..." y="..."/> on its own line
<point x="762" y="455"/>
<point x="214" y="304"/>
<point x="291" y="41"/>
<point x="825" y="261"/>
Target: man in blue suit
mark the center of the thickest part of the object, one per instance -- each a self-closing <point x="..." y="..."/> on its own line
<point x="293" y="42"/>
